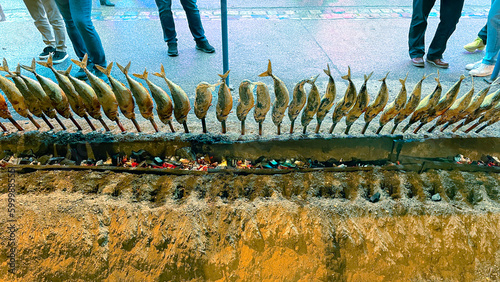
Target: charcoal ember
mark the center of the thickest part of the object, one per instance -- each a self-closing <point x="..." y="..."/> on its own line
<point x="490" y="160"/>
<point x="158" y="161"/>
<point x="140" y="155"/>
<point x="461" y="159"/>
<point x="55" y="160"/>
<point x="43" y="160"/>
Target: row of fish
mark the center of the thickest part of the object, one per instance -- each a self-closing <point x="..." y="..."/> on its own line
<point x="45" y="99"/>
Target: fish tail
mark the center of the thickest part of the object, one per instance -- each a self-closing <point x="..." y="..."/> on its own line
<point x="368" y="77"/>
<point x="161" y="73"/>
<point x="83" y="63"/>
<point x="143" y="76"/>
<point x="123" y="69"/>
<point x="224" y="76"/>
<point x="383" y="79"/>
<point x="4" y="66"/>
<point x="32" y="68"/>
<point x="348" y="76"/>
<point x="327" y="71"/>
<point x="101" y="69"/>
<point x="47" y="64"/>
<point x="68" y="70"/>
<point x="269" y="71"/>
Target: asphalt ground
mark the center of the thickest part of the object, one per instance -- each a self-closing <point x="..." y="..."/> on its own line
<point x="299" y="37"/>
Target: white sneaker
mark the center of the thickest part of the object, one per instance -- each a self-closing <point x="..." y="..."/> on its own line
<point x="473" y="65"/>
<point x="482" y="70"/>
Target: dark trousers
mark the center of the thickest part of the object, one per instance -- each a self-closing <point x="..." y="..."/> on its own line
<point x="167" y="19"/>
<point x="483" y="33"/>
<point x="81" y="31"/>
<point x="450" y="13"/>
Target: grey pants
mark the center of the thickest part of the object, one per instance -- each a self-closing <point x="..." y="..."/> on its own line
<point x="49" y="22"/>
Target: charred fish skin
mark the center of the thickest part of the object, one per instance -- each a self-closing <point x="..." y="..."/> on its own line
<point x="164" y="105"/>
<point x="246" y="101"/>
<point x="299" y="98"/>
<point x="224" y="101"/>
<point x="75" y="101"/>
<point x="281" y="97"/>
<point x="52" y="89"/>
<point x="395" y="107"/>
<point x="102" y="90"/>
<point x="346" y="103"/>
<point x="31" y="101"/>
<point x="14" y="96"/>
<point x="123" y="95"/>
<point x="203" y="98"/>
<point x="378" y="104"/>
<point x="140" y="93"/>
<point x="361" y="104"/>
<point x="311" y="108"/>
<point x="181" y="100"/>
<point x="327" y="100"/>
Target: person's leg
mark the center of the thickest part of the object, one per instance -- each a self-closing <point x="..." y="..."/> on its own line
<point x="37" y="12"/>
<point x="81" y="11"/>
<point x="73" y="33"/>
<point x="418" y="25"/>
<point x="194" y="20"/>
<point x="483" y="33"/>
<point x="57" y="23"/>
<point x="167" y="20"/>
<point x="490" y="57"/>
<point x="2" y="15"/>
<point x="450" y="13"/>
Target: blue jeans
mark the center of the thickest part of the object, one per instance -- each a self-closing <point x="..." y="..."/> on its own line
<point x="449" y="14"/>
<point x="81" y="31"/>
<point x="490" y="57"/>
<point x="167" y="20"/>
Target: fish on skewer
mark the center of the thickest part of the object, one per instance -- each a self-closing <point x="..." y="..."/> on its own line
<point x="224" y="102"/>
<point x="181" y="101"/>
<point x="103" y="91"/>
<point x="378" y="105"/>
<point x="395" y="107"/>
<point x="164" y="105"/>
<point x="346" y="103"/>
<point x="56" y="94"/>
<point x="75" y="101"/>
<point x="456" y="109"/>
<point x="359" y="107"/>
<point x="16" y="98"/>
<point x="411" y="105"/>
<point x="123" y="95"/>
<point x="36" y="90"/>
<point x="5" y="113"/>
<point x="327" y="100"/>
<point x="203" y="101"/>
<point x="262" y="104"/>
<point x="245" y="103"/>
<point x="282" y="97"/>
<point x="443" y="105"/>
<point x="473" y="106"/>
<point x="89" y="97"/>
<point x="426" y="105"/>
<point x="313" y="100"/>
<point x="489" y="102"/>
<point x="141" y="95"/>
<point x="299" y="98"/>
<point x="491" y="116"/>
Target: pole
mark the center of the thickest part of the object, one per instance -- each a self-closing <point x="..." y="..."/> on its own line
<point x="225" y="56"/>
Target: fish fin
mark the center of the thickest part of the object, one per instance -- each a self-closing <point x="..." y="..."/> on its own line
<point x="5" y="67"/>
<point x="122" y="68"/>
<point x="327" y="71"/>
<point x="83" y="63"/>
<point x="383" y="79"/>
<point x="462" y="77"/>
<point x="103" y="70"/>
<point x="68" y="70"/>
<point x="48" y="63"/>
<point x="269" y="71"/>
<point x="108" y="68"/>
<point x="348" y="76"/>
<point x="2" y="69"/>
<point x="161" y="73"/>
<point x="368" y="77"/>
<point x="403" y="81"/>
<point x="32" y="68"/>
<point x="18" y="69"/>
<point x="224" y="76"/>
<point x="312" y="80"/>
<point x="127" y="67"/>
<point x="143" y="76"/>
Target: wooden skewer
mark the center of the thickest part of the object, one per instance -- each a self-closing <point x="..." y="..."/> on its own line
<point x="120" y="125"/>
<point x="291" y="126"/>
<point x="186" y="129"/>
<point x="47" y="122"/>
<point x="243" y="127"/>
<point x="76" y="123"/>
<point x="16" y="124"/>
<point x="104" y="124"/>
<point x="34" y="121"/>
<point x="203" y="125"/>
<point x="154" y="124"/>
<point x="260" y="128"/>
<point x="60" y="123"/>
<point x="3" y="127"/>
<point x="171" y="126"/>
<point x="223" y="123"/>
<point x="136" y="125"/>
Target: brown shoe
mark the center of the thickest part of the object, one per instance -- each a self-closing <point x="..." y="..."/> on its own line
<point x="439" y="63"/>
<point x="418" y="62"/>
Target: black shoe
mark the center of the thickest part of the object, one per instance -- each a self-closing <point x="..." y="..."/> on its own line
<point x="204" y="46"/>
<point x="107" y="3"/>
<point x="59" y="57"/>
<point x="46" y="52"/>
<point x="172" y="49"/>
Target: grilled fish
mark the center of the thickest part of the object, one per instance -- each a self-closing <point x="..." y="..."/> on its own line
<point x="313" y="100"/>
<point x="203" y="101"/>
<point x="327" y="100"/>
<point x="224" y="102"/>
<point x="395" y="107"/>
<point x="299" y="98"/>
<point x="346" y="103"/>
<point x="262" y="105"/>
<point x="378" y="105"/>
<point x="281" y="97"/>
<point x="245" y="103"/>
<point x="361" y="104"/>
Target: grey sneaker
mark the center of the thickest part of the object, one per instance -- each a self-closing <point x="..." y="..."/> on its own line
<point x="172" y="49"/>
<point x="204" y="46"/>
<point x="46" y="52"/>
<point x="59" y="57"/>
